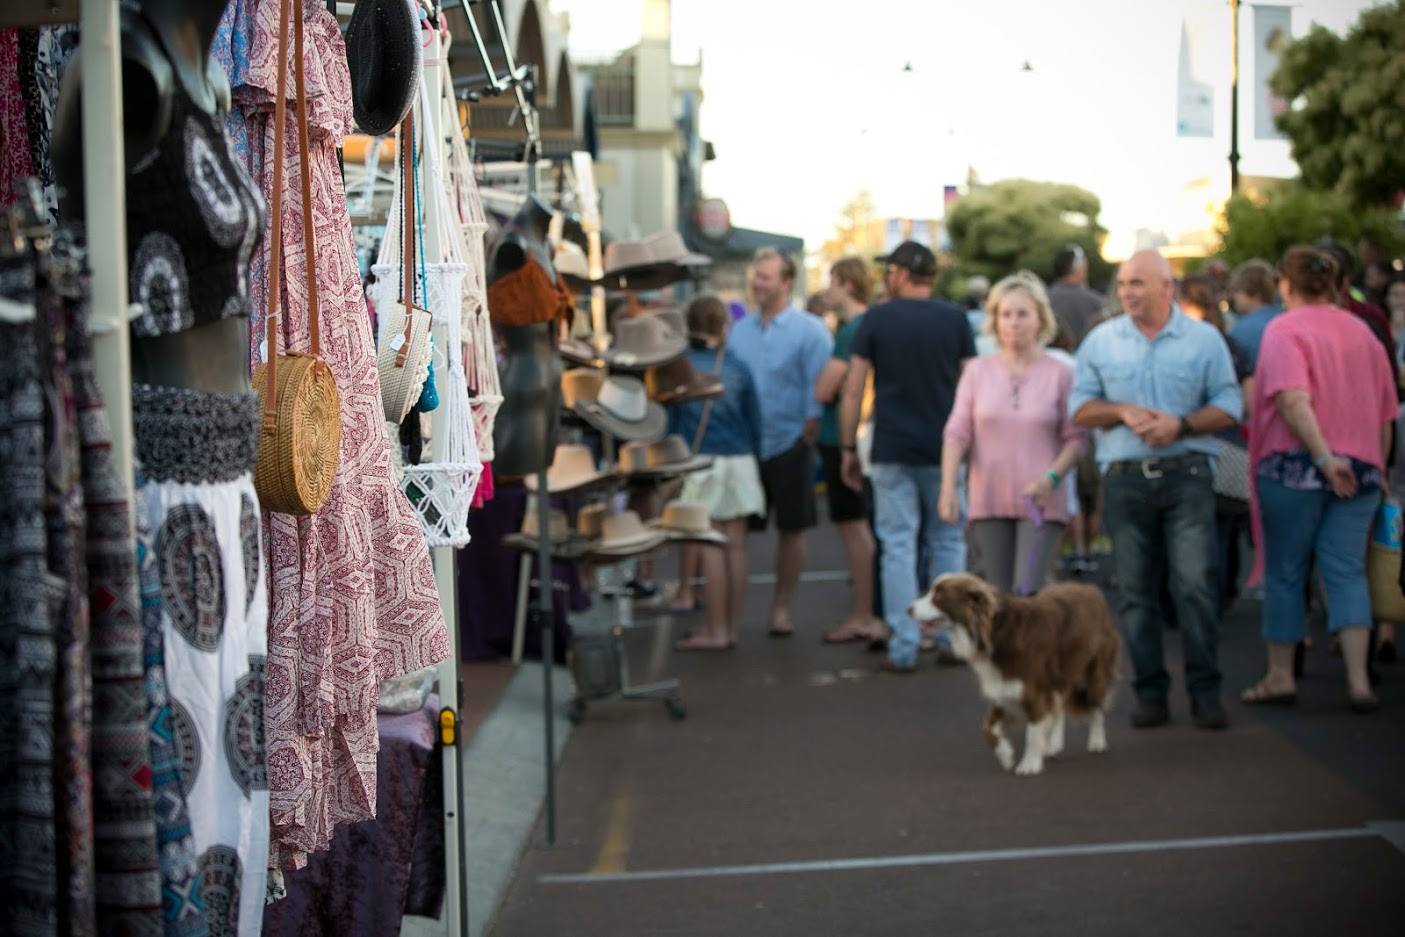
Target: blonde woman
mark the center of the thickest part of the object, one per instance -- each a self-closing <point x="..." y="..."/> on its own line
<point x="1011" y="419"/>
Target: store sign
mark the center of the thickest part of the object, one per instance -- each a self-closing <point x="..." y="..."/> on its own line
<point x="713" y="219"/>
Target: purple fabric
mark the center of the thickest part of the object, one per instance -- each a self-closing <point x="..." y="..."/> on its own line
<point x="359" y="886"/>
<point x="487" y="586"/>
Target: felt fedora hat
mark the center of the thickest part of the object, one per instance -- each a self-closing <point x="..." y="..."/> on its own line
<point x="572" y="468"/>
<point x="383" y="54"/>
<point x="678" y="381"/>
<point x="620" y="407"/>
<point x="668" y="456"/>
<point x="590" y="520"/>
<point x="667" y="247"/>
<point x="623" y="534"/>
<point x="689" y="522"/>
<point x="647" y="341"/>
<point x="571" y="263"/>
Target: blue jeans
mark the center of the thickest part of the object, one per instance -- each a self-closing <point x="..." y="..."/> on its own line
<point x="904" y="509"/>
<point x="1297" y="525"/>
<point x="1164" y="527"/>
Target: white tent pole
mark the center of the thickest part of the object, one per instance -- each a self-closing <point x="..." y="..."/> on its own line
<point x="104" y="185"/>
<point x="456" y="895"/>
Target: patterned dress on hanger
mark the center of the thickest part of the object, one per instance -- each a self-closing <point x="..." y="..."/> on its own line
<point x="353" y="596"/>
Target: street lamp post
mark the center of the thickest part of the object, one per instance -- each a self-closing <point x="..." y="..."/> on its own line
<point x="1233" y="96"/>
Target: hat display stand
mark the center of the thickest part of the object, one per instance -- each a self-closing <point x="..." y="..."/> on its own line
<point x="442" y="490"/>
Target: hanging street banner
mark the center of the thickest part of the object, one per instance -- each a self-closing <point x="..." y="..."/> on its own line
<point x="1195" y="99"/>
<point x="1273" y="29"/>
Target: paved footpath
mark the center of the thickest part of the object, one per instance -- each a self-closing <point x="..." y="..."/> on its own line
<point x="807" y="795"/>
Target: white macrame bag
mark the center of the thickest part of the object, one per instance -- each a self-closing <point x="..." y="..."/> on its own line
<point x="481" y="356"/>
<point x="441" y="491"/>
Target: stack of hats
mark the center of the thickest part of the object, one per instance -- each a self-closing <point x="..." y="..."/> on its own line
<point x="616" y="536"/>
<point x="617" y="405"/>
<point x="685" y="522"/>
<point x="655" y="262"/>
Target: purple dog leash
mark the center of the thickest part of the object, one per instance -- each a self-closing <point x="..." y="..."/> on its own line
<point x="1037" y="516"/>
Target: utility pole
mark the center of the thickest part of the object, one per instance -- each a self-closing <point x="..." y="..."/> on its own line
<point x="1233" y="96"/>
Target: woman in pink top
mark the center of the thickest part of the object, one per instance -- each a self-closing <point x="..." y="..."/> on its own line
<point x="1324" y="403"/>
<point x="1011" y="416"/>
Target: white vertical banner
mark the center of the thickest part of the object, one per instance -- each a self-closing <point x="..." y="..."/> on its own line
<point x="922" y="231"/>
<point x="1273" y="29"/>
<point x="1195" y="98"/>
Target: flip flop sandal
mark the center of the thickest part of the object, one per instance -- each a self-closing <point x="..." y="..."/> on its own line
<point x="1258" y="695"/>
<point x="847" y="637"/>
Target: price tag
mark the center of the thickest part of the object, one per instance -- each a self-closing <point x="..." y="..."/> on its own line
<point x="397" y="342"/>
<point x="263" y="350"/>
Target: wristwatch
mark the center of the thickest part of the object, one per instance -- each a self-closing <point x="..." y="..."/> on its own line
<point x="1186" y="429"/>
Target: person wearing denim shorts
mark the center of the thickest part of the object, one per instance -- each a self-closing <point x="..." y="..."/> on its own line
<point x="1155" y="384"/>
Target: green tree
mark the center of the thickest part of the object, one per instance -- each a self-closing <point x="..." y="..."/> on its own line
<point x="1021" y="224"/>
<point x="1346" y="124"/>
<point x="1266" y="225"/>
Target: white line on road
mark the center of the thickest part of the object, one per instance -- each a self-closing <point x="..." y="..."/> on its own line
<point x="957" y="858"/>
<point x="818" y="575"/>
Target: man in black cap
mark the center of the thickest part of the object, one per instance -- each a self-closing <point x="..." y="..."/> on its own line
<point x="915" y="346"/>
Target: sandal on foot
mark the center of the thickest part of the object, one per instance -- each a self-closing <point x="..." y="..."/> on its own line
<point x="842" y="635"/>
<point x="1363" y="705"/>
<point x="694" y="643"/>
<point x="1260" y="695"/>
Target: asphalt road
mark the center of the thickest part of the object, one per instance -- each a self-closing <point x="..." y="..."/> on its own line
<point x="806" y="794"/>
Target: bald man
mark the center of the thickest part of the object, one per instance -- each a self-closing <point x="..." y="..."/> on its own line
<point x="1155" y="384"/>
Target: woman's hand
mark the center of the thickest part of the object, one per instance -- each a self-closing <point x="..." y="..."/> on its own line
<point x="948" y="507"/>
<point x="1039" y="490"/>
<point x="1340" y="477"/>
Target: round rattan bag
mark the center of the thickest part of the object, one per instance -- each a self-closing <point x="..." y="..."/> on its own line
<point x="300" y="439"/>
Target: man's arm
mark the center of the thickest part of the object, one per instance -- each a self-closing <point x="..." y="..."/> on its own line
<point x="849" y="406"/>
<point x="831" y="381"/>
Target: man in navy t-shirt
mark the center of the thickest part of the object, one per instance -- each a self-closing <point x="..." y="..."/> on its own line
<point x="915" y="346"/>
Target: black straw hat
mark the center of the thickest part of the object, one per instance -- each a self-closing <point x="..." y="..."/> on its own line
<point x="383" y="54"/>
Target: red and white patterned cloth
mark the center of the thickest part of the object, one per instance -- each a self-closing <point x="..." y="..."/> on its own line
<point x="352" y="592"/>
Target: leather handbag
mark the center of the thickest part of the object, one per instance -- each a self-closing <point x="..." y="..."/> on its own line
<point x="300" y="439"/>
<point x="402" y="362"/>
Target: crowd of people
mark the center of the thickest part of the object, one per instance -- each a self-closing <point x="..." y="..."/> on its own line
<point x="1230" y="412"/>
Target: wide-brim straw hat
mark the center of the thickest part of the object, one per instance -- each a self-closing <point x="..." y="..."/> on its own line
<point x="621" y="408"/>
<point x="383" y="55"/>
<point x="648" y="341"/>
<point x="678" y="381"/>
<point x="401" y="385"/>
<point x="623" y="534"/>
<point x="668" y="456"/>
<point x="688" y="522"/>
<point x="572" y="469"/>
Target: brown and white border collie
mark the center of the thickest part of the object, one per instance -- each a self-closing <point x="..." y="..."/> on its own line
<point x="1051" y="655"/>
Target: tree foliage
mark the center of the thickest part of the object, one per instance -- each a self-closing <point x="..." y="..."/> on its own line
<point x="1021" y="224"/>
<point x="1265" y="226"/>
<point x="1346" y="124"/>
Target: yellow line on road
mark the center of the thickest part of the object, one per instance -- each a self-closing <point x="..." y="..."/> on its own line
<point x="614" y="848"/>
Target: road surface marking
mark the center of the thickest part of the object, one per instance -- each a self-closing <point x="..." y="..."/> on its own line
<point x="959" y="858"/>
<point x="814" y="575"/>
<point x="614" y="848"/>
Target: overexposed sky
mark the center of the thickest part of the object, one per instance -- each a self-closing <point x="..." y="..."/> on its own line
<point x="807" y="101"/>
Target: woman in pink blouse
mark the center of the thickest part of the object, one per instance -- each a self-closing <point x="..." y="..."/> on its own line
<point x="1324" y="404"/>
<point x="1011" y="417"/>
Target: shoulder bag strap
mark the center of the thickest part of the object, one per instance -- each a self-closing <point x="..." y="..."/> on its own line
<point x="407" y="237"/>
<point x="309" y="237"/>
<point x="275" y="248"/>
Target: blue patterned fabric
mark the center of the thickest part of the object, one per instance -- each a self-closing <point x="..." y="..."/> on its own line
<point x="1296" y="471"/>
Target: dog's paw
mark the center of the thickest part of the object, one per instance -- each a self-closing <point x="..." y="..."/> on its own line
<point x="1005" y="754"/>
<point x="1097" y="743"/>
<point x="1054" y="748"/>
<point x="1029" y="766"/>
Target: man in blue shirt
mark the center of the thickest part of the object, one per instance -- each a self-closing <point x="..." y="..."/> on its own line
<point x="786" y="349"/>
<point x="1253" y="291"/>
<point x="1156" y="384"/>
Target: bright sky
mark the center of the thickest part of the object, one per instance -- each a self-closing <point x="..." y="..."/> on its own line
<point x="807" y="102"/>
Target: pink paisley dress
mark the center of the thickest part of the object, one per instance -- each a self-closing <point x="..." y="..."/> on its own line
<point x="352" y="593"/>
